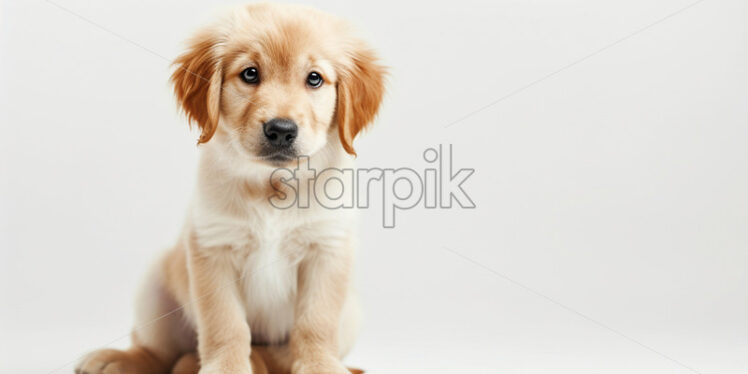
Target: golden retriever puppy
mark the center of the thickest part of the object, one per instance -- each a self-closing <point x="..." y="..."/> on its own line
<point x="266" y="84"/>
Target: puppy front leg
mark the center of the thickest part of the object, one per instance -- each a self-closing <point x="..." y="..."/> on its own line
<point x="323" y="286"/>
<point x="222" y="331"/>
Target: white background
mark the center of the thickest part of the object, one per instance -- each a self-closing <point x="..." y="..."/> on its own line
<point x="617" y="187"/>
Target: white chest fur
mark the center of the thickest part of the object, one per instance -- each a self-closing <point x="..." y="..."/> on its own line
<point x="266" y="245"/>
<point x="268" y="266"/>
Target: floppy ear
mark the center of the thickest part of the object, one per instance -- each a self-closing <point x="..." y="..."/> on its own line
<point x="197" y="83"/>
<point x="360" y="89"/>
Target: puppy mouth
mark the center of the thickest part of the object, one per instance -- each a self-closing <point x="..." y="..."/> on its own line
<point x="278" y="156"/>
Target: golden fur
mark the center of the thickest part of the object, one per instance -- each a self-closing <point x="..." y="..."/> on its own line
<point x="248" y="287"/>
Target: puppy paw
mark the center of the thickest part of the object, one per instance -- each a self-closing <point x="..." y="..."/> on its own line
<point x="219" y="367"/>
<point x="326" y="365"/>
<point x="112" y="361"/>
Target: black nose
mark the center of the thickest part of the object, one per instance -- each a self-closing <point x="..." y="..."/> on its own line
<point x="280" y="132"/>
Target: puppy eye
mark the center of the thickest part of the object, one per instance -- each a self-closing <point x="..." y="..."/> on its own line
<point x="314" y="80"/>
<point x="250" y="75"/>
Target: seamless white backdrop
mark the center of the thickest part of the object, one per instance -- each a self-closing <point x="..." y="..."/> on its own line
<point x="611" y="228"/>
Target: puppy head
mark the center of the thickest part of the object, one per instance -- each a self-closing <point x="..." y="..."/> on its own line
<point x="272" y="82"/>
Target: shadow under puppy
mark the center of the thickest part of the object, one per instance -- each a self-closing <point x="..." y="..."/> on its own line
<point x="265" y="84"/>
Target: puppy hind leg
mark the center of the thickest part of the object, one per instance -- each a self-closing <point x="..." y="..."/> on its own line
<point x="158" y="338"/>
<point x="136" y="360"/>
